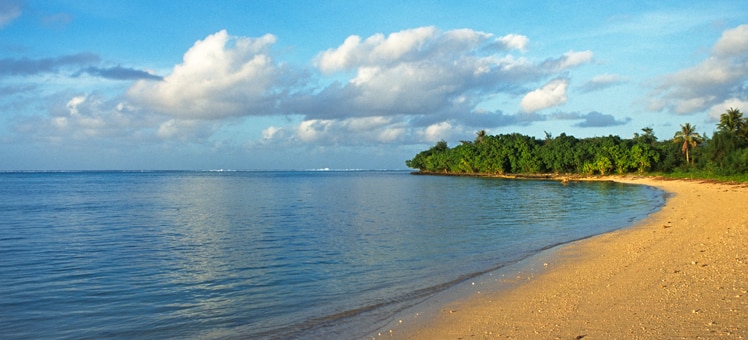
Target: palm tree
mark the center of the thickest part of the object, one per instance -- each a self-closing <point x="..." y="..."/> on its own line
<point x="480" y="136"/>
<point x="689" y="137"/>
<point x="732" y="121"/>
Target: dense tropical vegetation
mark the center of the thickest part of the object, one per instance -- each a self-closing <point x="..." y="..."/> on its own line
<point x="724" y="154"/>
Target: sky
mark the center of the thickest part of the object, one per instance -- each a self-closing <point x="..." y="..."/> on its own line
<point x="263" y="85"/>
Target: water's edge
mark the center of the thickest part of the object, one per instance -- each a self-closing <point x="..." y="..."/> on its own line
<point x="492" y="281"/>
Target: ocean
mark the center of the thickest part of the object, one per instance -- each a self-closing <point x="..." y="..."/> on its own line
<point x="269" y="254"/>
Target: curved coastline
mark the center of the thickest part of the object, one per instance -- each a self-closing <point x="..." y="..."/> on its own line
<point x="681" y="272"/>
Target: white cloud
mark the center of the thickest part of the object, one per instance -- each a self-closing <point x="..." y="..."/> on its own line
<point x="718" y="78"/>
<point x="398" y="44"/>
<point x="414" y="86"/>
<point x="601" y="82"/>
<point x="572" y="59"/>
<point x="73" y="103"/>
<point x="377" y="130"/>
<point x="406" y="88"/>
<point x="220" y="76"/>
<point x="88" y="119"/>
<point x="271" y="132"/>
<point x="351" y="131"/>
<point x="84" y="118"/>
<point x="185" y="130"/>
<point x="551" y="94"/>
<point x="437" y="132"/>
<point x="514" y="42"/>
<point x="568" y="60"/>
<point x="692" y="104"/>
<point x="717" y="110"/>
<point x="424" y="71"/>
<point x="333" y="60"/>
<point x="374" y="50"/>
<point x="314" y="130"/>
<point x="396" y="80"/>
<point x="734" y="42"/>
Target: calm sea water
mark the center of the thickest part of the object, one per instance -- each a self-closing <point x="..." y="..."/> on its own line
<point x="90" y="255"/>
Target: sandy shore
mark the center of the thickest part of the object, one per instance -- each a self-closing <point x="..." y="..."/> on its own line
<point x="680" y="274"/>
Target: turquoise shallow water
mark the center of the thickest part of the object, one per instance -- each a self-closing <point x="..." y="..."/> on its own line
<point x="268" y="254"/>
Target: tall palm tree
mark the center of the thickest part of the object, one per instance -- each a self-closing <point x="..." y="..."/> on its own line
<point x="732" y="122"/>
<point x="689" y="137"/>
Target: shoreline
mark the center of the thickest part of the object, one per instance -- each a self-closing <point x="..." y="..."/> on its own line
<point x="682" y="272"/>
<point x="552" y="177"/>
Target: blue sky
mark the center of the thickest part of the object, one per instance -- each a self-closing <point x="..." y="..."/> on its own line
<point x="349" y="84"/>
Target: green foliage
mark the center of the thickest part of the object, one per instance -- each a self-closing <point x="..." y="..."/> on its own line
<point x="557" y="154"/>
<point x="732" y="123"/>
<point x="688" y="137"/>
<point x="643" y="156"/>
<point x="726" y="154"/>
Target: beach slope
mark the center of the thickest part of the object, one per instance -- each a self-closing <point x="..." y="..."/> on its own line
<point x="680" y="273"/>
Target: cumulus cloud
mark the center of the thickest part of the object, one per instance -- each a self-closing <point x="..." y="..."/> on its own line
<point x="421" y="88"/>
<point x="386" y="130"/>
<point x="9" y="11"/>
<point x="568" y="60"/>
<point x="272" y="132"/>
<point x="93" y="118"/>
<point x="367" y="130"/>
<point x="551" y="94"/>
<point x="601" y="82"/>
<point x="436" y="132"/>
<point x="220" y="76"/>
<point x="718" y="78"/>
<point x="82" y="117"/>
<point x="419" y="78"/>
<point x="424" y="72"/>
<point x="733" y="42"/>
<point x="378" y="50"/>
<point x="185" y="130"/>
<point x="403" y="129"/>
<point x="513" y="42"/>
<point x="413" y="86"/>
<point x="27" y="66"/>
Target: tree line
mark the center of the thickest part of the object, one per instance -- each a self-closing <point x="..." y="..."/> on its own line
<point x="724" y="154"/>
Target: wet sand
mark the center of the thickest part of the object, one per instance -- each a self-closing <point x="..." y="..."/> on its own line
<point x="682" y="273"/>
